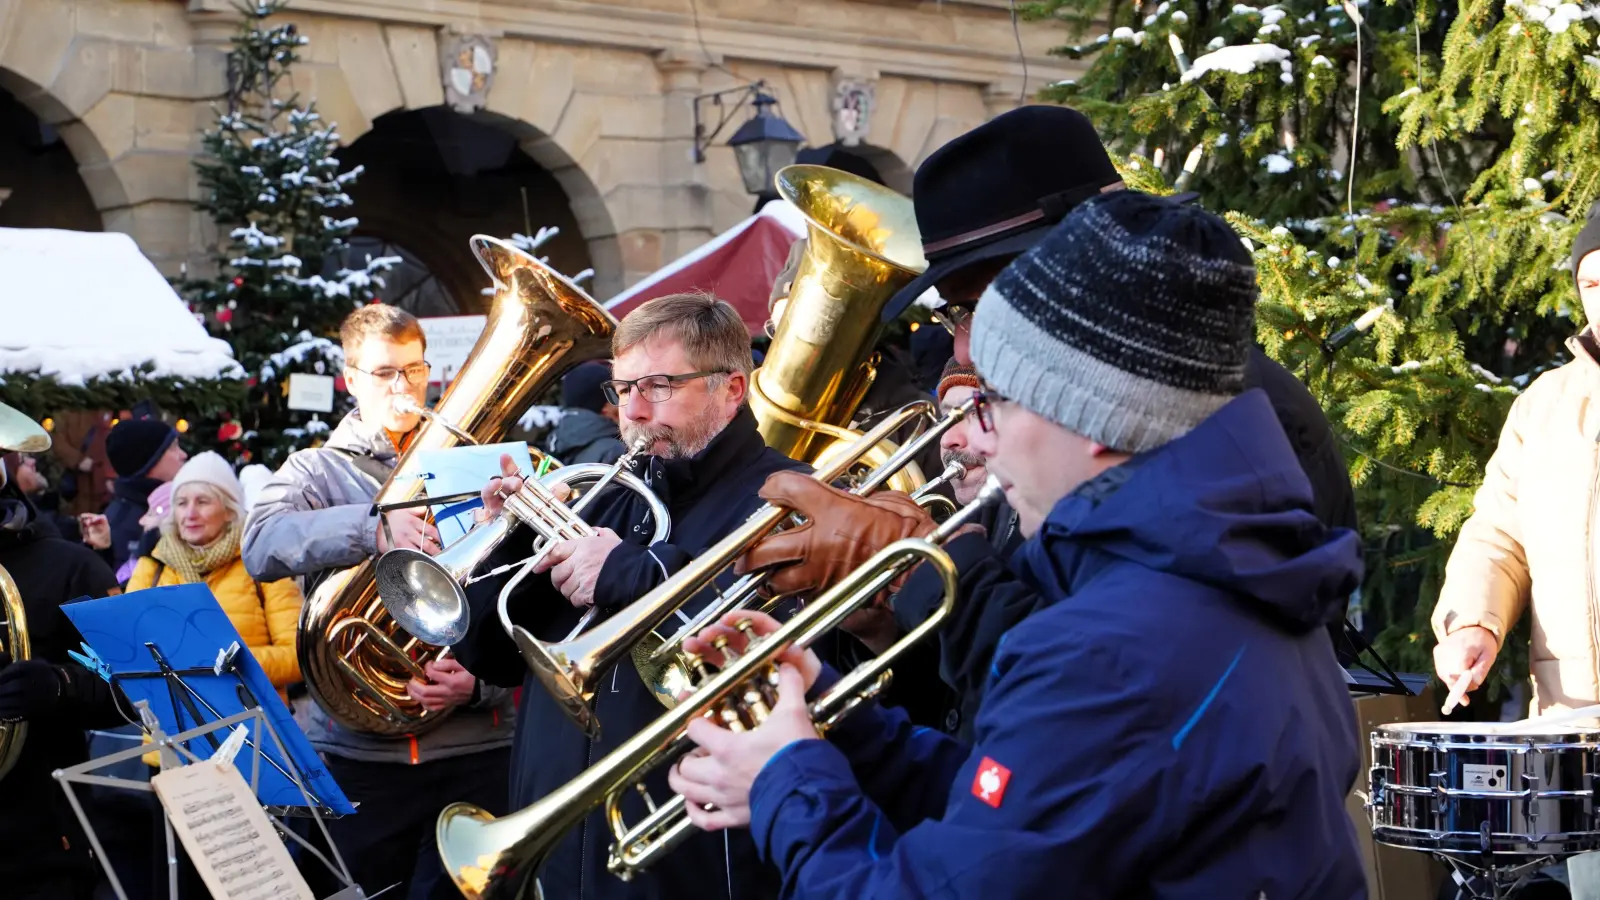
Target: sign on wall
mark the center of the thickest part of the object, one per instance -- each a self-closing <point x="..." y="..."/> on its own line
<point x="450" y="340"/>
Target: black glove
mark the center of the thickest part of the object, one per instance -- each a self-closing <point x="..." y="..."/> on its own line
<point x="30" y="689"/>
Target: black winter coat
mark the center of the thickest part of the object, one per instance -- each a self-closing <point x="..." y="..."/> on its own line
<point x="130" y="501"/>
<point x="584" y="436"/>
<point x="707" y="496"/>
<point x="38" y="831"/>
<point x="998" y="600"/>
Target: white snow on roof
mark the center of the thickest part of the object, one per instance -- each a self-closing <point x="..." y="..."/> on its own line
<point x="79" y="304"/>
<point x="1240" y="59"/>
<point x="781" y="211"/>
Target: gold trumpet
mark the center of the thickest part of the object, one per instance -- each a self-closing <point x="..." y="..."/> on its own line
<point x="660" y="661"/>
<point x="499" y="858"/>
<point x="570" y="669"/>
<point x="19" y="434"/>
<point x="356" y="661"/>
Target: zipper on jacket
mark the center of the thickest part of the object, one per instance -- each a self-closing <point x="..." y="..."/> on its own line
<point x="583" y="830"/>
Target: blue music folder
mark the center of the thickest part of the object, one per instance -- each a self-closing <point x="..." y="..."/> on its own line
<point x="458" y="470"/>
<point x="188" y="628"/>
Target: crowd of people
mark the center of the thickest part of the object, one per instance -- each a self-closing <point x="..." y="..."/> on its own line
<point x="1136" y="693"/>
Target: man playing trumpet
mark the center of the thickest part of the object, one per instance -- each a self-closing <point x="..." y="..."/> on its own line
<point x="679" y="381"/>
<point x="1171" y="720"/>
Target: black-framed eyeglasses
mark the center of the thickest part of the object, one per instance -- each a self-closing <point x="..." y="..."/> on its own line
<point x="954" y="316"/>
<point x="415" y="373"/>
<point x="983" y="408"/>
<point x="654" y="388"/>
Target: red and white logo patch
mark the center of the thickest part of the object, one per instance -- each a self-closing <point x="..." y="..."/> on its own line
<point x="989" y="785"/>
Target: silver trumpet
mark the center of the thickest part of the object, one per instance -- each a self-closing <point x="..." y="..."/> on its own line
<point x="427" y="595"/>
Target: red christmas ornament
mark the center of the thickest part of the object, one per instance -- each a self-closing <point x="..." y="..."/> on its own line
<point x="251" y="382"/>
<point x="230" y="431"/>
<point x="238" y="281"/>
<point x="338" y="384"/>
<point x="224" y="315"/>
<point x="374" y="301"/>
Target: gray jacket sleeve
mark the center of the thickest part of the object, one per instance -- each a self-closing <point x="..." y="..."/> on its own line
<point x="295" y="530"/>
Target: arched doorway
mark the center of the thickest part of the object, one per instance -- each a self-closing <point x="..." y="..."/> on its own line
<point x="39" y="182"/>
<point x="431" y="179"/>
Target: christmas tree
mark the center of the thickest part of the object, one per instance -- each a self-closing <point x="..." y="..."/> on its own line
<point x="271" y="182"/>
<point x="1410" y="177"/>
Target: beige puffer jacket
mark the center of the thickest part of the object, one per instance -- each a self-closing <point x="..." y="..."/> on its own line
<point x="1532" y="535"/>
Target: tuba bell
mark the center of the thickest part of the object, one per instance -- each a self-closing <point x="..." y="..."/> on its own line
<point x="356" y="661"/>
<point x="19" y="434"/>
<point x="862" y="247"/>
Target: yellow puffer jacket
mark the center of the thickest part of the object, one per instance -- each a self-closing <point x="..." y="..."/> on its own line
<point x="1530" y="543"/>
<point x="265" y="621"/>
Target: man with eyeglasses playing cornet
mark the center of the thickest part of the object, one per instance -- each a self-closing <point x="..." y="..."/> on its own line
<point x="679" y="380"/>
<point x="1171" y="721"/>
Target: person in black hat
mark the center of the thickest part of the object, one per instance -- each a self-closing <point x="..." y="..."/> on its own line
<point x="981" y="201"/>
<point x="587" y="432"/>
<point x="145" y="454"/>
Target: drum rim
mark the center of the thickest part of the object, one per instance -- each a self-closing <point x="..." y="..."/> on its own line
<point x="1431" y="733"/>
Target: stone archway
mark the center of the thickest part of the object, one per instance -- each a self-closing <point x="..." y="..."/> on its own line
<point x="40" y="186"/>
<point x="431" y="179"/>
<point x="531" y="97"/>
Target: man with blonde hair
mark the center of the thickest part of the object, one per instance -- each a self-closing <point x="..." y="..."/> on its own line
<point x="679" y="381"/>
<point x="314" y="517"/>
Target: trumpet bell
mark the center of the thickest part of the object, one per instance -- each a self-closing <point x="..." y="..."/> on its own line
<point x="422" y="597"/>
<point x="423" y="594"/>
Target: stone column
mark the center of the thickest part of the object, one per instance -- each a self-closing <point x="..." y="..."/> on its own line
<point x="688" y="220"/>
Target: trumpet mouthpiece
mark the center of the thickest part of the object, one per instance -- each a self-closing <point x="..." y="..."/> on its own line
<point x="403" y="403"/>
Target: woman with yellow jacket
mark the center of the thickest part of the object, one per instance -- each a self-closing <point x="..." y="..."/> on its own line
<point x="200" y="545"/>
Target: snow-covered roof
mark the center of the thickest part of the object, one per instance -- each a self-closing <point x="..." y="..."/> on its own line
<point x="80" y="304"/>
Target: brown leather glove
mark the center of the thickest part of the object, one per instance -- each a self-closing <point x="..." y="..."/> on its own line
<point x="842" y="531"/>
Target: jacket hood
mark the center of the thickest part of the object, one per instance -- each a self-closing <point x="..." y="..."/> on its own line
<point x="1226" y="505"/>
<point x="579" y="428"/>
<point x="355" y="436"/>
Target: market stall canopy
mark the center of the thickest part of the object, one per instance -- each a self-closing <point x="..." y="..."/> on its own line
<point x="739" y="266"/>
<point x="79" y="305"/>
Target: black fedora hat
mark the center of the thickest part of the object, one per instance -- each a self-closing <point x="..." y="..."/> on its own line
<point x="996" y="190"/>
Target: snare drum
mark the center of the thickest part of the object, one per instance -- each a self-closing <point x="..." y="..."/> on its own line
<point x="1455" y="788"/>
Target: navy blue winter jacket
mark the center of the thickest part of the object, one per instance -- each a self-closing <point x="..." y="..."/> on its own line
<point x="1172" y="723"/>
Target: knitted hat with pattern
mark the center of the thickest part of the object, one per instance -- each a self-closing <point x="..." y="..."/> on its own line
<point x="1128" y="324"/>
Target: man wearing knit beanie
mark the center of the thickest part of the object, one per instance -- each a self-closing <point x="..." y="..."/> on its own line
<point x="1172" y="718"/>
<point x="956" y="386"/>
<point x="145" y="454"/>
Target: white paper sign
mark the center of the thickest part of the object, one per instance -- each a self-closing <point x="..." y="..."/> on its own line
<point x="450" y="340"/>
<point x="312" y="393"/>
<point x="227" y="834"/>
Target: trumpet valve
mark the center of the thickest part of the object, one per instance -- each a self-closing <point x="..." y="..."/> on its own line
<point x="644" y="794"/>
<point x="721" y="644"/>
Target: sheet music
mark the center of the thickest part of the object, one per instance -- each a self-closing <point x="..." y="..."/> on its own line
<point x="227" y="834"/>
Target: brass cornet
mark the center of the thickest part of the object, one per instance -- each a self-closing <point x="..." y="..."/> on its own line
<point x="570" y="669"/>
<point x="499" y="859"/>
<point x="659" y="660"/>
<point x="426" y="594"/>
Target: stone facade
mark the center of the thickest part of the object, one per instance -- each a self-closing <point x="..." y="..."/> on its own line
<point x="598" y="93"/>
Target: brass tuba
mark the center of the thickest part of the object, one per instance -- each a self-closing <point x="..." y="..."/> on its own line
<point x="356" y="661"/>
<point x="14" y="632"/>
<point x="20" y="434"/>
<point x="862" y="247"/>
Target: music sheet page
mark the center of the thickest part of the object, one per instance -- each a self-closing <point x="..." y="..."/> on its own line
<point x="227" y="834"/>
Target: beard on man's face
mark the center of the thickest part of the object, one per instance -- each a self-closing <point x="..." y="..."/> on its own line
<point x="966" y="458"/>
<point x="682" y="443"/>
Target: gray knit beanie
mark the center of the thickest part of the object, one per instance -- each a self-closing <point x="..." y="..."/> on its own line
<point x="1129" y="323"/>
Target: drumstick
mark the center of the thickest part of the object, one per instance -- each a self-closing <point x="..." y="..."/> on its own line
<point x="1457" y="693"/>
